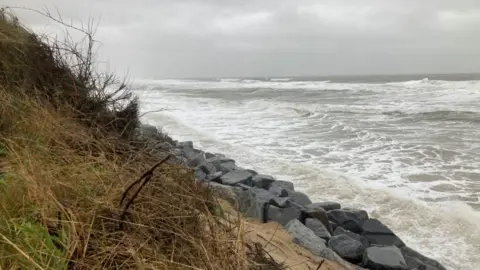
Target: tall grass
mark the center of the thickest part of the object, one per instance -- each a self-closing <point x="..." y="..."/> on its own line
<point x="66" y="158"/>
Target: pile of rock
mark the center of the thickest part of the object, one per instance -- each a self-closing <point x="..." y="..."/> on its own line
<point x="347" y="236"/>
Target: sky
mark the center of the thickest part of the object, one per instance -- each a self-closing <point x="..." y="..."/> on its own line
<point x="240" y="38"/>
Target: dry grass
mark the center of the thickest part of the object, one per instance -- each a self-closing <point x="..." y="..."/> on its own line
<point x="65" y="162"/>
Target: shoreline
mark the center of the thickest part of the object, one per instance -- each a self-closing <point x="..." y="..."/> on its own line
<point x="344" y="235"/>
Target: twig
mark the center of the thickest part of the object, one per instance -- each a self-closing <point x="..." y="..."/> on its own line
<point x="320" y="265"/>
<point x="147" y="176"/>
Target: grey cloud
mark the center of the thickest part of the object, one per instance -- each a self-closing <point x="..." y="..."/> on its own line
<point x="174" y="38"/>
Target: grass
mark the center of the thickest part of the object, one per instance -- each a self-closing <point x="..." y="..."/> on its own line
<point x="67" y="155"/>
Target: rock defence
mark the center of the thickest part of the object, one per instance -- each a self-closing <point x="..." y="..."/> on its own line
<point x="344" y="235"/>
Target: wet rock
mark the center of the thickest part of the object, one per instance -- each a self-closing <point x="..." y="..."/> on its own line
<point x="379" y="234"/>
<point x="384" y="258"/>
<point x="333" y="225"/>
<point x="223" y="164"/>
<point x="283" y="215"/>
<point x="228" y="193"/>
<point x="197" y="160"/>
<point x="215" y="177"/>
<point x="263" y="181"/>
<point x="278" y="191"/>
<point x="299" y="197"/>
<point x="207" y="168"/>
<point x="359" y="238"/>
<point x="287" y="185"/>
<point x="209" y="155"/>
<point x="314" y="211"/>
<point x="186" y="144"/>
<point x="327" y="206"/>
<point x="306" y="238"/>
<point x="318" y="228"/>
<point x="348" y="248"/>
<point x="253" y="206"/>
<point x="348" y="219"/>
<point x="429" y="264"/>
<point x="237" y="176"/>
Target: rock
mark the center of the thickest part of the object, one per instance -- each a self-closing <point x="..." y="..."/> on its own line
<point x="252" y="206"/>
<point x="243" y="186"/>
<point x="314" y="211"/>
<point x="430" y="264"/>
<point x="327" y="206"/>
<point x="252" y="172"/>
<point x="197" y="160"/>
<point x="214" y="177"/>
<point x="384" y="258"/>
<point x="207" y="168"/>
<point x="318" y="228"/>
<point x="306" y="238"/>
<point x="223" y="164"/>
<point x="234" y="177"/>
<point x="379" y="234"/>
<point x="281" y="202"/>
<point x="348" y="248"/>
<point x="351" y="220"/>
<point x="209" y="155"/>
<point x="287" y="185"/>
<point x="283" y="215"/>
<point x="278" y="191"/>
<point x="164" y="146"/>
<point x="299" y="197"/>
<point x="263" y="181"/>
<point x="359" y="238"/>
<point x="200" y="175"/>
<point x="228" y="193"/>
<point x="186" y="144"/>
<point x="333" y="225"/>
<point x="147" y="132"/>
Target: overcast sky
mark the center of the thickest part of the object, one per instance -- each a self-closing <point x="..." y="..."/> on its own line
<point x="213" y="38"/>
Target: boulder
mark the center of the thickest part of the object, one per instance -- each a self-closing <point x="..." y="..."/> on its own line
<point x="200" y="175"/>
<point x="214" y="177"/>
<point x="379" y="234"/>
<point x="252" y="206"/>
<point x="348" y="248"/>
<point x="283" y="215"/>
<point x="197" y="160"/>
<point x="209" y="155"/>
<point x="348" y="219"/>
<point x="228" y="193"/>
<point x="278" y="191"/>
<point x="327" y="206"/>
<point x="234" y="177"/>
<point x="318" y="228"/>
<point x="287" y="185"/>
<point x="186" y="144"/>
<point x="306" y="238"/>
<point x="263" y="181"/>
<point x="359" y="238"/>
<point x="147" y="132"/>
<point x="222" y="164"/>
<point x="314" y="211"/>
<point x="333" y="225"/>
<point x="299" y="197"/>
<point x="165" y="146"/>
<point x="207" y="168"/>
<point x="429" y="264"/>
<point x="384" y="258"/>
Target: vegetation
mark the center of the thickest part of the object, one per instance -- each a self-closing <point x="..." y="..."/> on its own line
<point x="67" y="156"/>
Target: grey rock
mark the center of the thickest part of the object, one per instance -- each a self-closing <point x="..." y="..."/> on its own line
<point x="263" y="195"/>
<point x="252" y="172"/>
<point x="234" y="177"/>
<point x="314" y="211"/>
<point x="282" y="202"/>
<point x="263" y="181"/>
<point x="333" y="225"/>
<point x="148" y="132"/>
<point x="209" y="155"/>
<point x="287" y="185"/>
<point x="348" y="248"/>
<point x="384" y="258"/>
<point x="278" y="191"/>
<point x="223" y="164"/>
<point x="299" y="197"/>
<point x="430" y="264"/>
<point x="379" y="234"/>
<point x="327" y="206"/>
<point x="214" y="177"/>
<point x="164" y="146"/>
<point x="283" y="215"/>
<point x="200" y="175"/>
<point x="253" y="205"/>
<point x="359" y="238"/>
<point x="243" y="186"/>
<point x="228" y="193"/>
<point x="197" y="160"/>
<point x="318" y="228"/>
<point x="186" y="144"/>
<point x="306" y="238"/>
<point x="348" y="219"/>
<point x="207" y="168"/>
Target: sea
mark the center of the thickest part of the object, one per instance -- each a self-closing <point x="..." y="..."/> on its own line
<point x="406" y="148"/>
